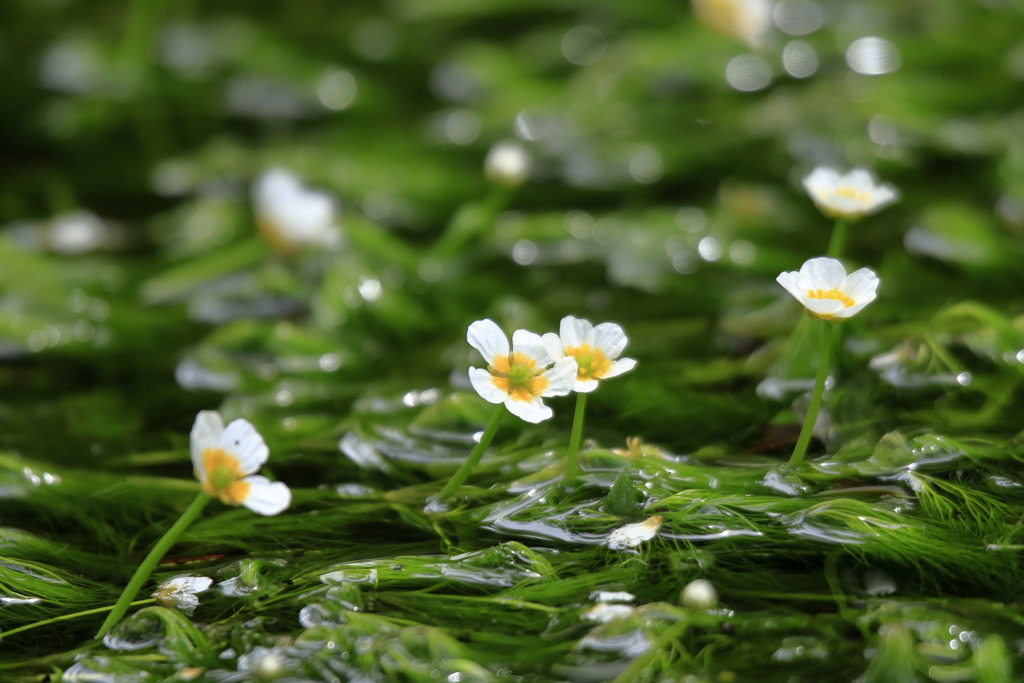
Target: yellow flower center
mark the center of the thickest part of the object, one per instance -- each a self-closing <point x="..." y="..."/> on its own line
<point x="850" y="193"/>
<point x="591" y="362"/>
<point x="275" y="237"/>
<point x="518" y="376"/>
<point x="833" y="294"/>
<point x="224" y="477"/>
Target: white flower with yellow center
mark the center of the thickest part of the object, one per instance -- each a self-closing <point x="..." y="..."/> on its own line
<point x="848" y="196"/>
<point x="180" y="592"/>
<point x="596" y="350"/>
<point x="292" y="217"/>
<point x="519" y="377"/>
<point x="225" y="459"/>
<point x="826" y="291"/>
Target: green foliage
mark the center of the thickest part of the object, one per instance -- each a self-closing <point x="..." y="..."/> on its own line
<point x="661" y="197"/>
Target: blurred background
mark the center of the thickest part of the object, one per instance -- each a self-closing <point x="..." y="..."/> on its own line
<point x="656" y="148"/>
<point x="638" y="162"/>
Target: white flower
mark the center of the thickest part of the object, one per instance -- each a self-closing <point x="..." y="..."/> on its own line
<point x="699" y="594"/>
<point x="596" y="350"/>
<point x="612" y="596"/>
<point x="225" y="459"/>
<point x="848" y="196"/>
<point x="604" y="612"/>
<point x="826" y="291"/>
<point x="180" y="592"/>
<point x="632" y="535"/>
<point x="748" y="20"/>
<point x="521" y="377"/>
<point x="292" y="216"/>
<point x="507" y="163"/>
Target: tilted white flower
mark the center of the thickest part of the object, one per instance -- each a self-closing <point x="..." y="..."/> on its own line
<point x="632" y="535"/>
<point x="519" y="377"/>
<point x="850" y="195"/>
<point x="826" y="291"/>
<point x="595" y="349"/>
<point x="292" y="216"/>
<point x="180" y="592"/>
<point x="748" y="20"/>
<point x="225" y="459"/>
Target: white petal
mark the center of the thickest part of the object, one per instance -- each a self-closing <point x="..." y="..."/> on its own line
<point x="850" y="311"/>
<point x="241" y="440"/>
<point x="860" y="284"/>
<point x="266" y="497"/>
<point x="612" y="596"/>
<point x="532" y="345"/>
<point x="273" y="186"/>
<point x="822" y="273"/>
<point x="826" y="307"/>
<point x="860" y="179"/>
<point x="306" y="218"/>
<point x="531" y="411"/>
<point x="883" y="196"/>
<point x="576" y="331"/>
<point x="821" y="181"/>
<point x="793" y="283"/>
<point x="561" y="377"/>
<point x="585" y="386"/>
<point x="486" y="337"/>
<point x="188" y="584"/>
<point x="632" y="535"/>
<point x="553" y="345"/>
<point x="206" y="431"/>
<point x="610" y="338"/>
<point x="619" y="366"/>
<point x="604" y="612"/>
<point x="483" y="382"/>
<point x="866" y="296"/>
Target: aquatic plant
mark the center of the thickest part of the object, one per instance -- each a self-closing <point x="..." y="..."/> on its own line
<point x="224" y="459"/>
<point x="518" y="377"/>
<point x="827" y="293"/>
<point x="596" y="351"/>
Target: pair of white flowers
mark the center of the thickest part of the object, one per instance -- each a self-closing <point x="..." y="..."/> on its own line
<point x="822" y="285"/>
<point x="578" y="358"/>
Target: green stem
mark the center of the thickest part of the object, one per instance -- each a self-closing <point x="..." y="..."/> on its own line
<point x="838" y="240"/>
<point x="470" y="222"/>
<point x="148" y="564"/>
<point x="572" y="455"/>
<point x="816" y="396"/>
<point x="66" y="617"/>
<point x="462" y="474"/>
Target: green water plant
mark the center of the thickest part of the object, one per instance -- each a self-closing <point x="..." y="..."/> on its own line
<point x="846" y="197"/>
<point x="519" y="377"/>
<point x="224" y="459"/>
<point x="506" y="166"/>
<point x="829" y="294"/>
<point x="596" y="350"/>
